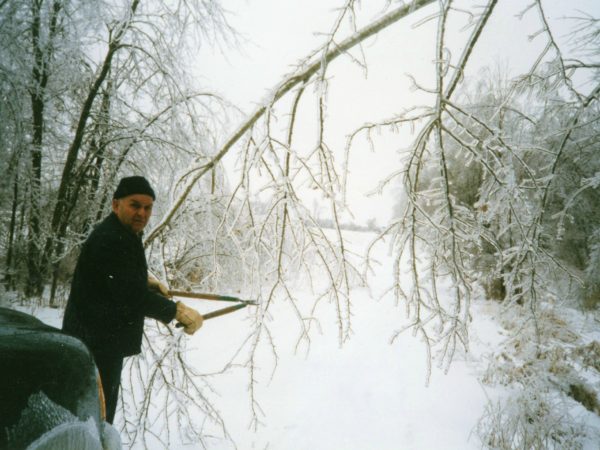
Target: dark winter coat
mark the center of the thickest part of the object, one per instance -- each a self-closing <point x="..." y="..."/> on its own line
<point x="109" y="293"/>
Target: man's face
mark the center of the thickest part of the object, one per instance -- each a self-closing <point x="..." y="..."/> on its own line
<point x="133" y="211"/>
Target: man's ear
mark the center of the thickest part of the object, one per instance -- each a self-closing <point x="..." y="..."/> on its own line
<point x="115" y="205"/>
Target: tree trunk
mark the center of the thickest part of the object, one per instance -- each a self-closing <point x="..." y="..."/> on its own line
<point x="39" y="83"/>
<point x="62" y="208"/>
<point x="42" y="55"/>
<point x="8" y="276"/>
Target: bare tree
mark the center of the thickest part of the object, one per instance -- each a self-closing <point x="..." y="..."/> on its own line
<point x="454" y="232"/>
<point x="140" y="71"/>
<point x="286" y="235"/>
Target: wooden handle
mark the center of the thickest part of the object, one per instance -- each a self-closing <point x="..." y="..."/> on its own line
<point x="221" y="312"/>
<point x="218" y="312"/>
<point x="220" y="298"/>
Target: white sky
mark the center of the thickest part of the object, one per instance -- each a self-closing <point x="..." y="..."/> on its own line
<point x="280" y="33"/>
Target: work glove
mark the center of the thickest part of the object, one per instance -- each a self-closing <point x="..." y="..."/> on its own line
<point x="157" y="286"/>
<point x="188" y="317"/>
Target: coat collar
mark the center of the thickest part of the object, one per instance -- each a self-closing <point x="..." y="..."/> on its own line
<point x="114" y="221"/>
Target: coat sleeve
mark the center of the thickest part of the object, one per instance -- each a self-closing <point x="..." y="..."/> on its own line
<point x="158" y="307"/>
<point x="123" y="285"/>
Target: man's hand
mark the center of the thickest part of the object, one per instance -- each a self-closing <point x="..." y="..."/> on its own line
<point x="188" y="317"/>
<point x="155" y="285"/>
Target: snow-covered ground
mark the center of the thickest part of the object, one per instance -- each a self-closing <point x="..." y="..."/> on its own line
<point x="366" y="394"/>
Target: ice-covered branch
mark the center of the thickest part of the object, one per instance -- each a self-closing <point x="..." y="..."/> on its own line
<point x="302" y="76"/>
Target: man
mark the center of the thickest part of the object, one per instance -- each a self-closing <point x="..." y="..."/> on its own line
<point x="111" y="292"/>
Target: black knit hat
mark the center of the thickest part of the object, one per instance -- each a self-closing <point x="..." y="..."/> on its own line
<point x="133" y="185"/>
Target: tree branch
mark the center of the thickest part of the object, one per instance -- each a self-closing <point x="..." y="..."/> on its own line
<point x="287" y="85"/>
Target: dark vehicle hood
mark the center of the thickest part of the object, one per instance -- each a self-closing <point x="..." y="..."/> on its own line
<point x="34" y="358"/>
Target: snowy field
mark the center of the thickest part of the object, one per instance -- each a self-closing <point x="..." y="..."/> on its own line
<point x="366" y="394"/>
